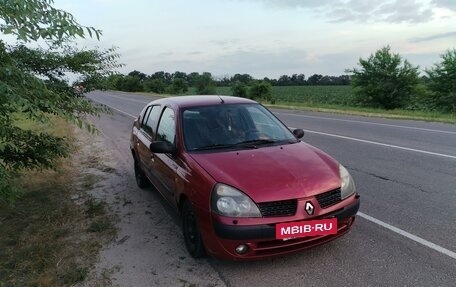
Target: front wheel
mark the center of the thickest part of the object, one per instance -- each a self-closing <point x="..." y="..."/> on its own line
<point x="192" y="235"/>
<point x="141" y="180"/>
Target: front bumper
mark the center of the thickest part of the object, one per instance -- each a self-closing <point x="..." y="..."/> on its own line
<point x="261" y="238"/>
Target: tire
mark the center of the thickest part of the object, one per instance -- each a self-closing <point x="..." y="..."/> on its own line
<point x="192" y="235"/>
<point x="141" y="180"/>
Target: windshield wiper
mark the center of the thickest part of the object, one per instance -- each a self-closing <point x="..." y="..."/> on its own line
<point x="245" y="144"/>
<point x="213" y="146"/>
<point x="255" y="143"/>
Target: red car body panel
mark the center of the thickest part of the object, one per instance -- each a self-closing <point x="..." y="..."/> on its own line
<point x="295" y="171"/>
<point x="273" y="173"/>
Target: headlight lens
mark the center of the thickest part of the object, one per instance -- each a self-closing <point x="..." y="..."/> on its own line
<point x="347" y="185"/>
<point x="228" y="201"/>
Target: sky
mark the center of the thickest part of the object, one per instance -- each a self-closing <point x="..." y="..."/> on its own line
<point x="266" y="38"/>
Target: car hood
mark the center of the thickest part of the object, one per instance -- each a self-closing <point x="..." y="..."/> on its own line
<point x="275" y="172"/>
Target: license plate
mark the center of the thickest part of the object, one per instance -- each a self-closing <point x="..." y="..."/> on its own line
<point x="297" y="229"/>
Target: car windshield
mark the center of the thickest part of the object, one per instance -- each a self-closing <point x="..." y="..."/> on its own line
<point x="232" y="126"/>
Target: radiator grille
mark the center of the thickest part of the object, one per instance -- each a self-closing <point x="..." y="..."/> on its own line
<point x="329" y="198"/>
<point x="278" y="208"/>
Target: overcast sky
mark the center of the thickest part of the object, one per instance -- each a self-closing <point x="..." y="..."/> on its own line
<point x="266" y="38"/>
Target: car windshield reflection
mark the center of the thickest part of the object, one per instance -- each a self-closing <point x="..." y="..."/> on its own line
<point x="232" y="126"/>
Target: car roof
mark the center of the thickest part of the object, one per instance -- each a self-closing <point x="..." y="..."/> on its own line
<point x="201" y="100"/>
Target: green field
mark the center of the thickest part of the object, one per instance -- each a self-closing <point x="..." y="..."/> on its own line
<point x="330" y="95"/>
<point x="334" y="99"/>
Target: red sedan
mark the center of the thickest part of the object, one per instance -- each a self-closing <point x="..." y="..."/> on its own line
<point x="245" y="185"/>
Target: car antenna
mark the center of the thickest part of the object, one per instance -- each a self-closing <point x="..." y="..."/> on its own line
<point x="221" y="100"/>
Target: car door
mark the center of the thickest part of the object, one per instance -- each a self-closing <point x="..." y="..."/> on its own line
<point x="165" y="165"/>
<point x="145" y="136"/>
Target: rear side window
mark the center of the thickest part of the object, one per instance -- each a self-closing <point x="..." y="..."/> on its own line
<point x="167" y="127"/>
<point x="150" y="120"/>
<point x="146" y="115"/>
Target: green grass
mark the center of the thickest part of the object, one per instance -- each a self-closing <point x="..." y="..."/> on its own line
<point x="368" y="112"/>
<point x="332" y="95"/>
<point x="94" y="208"/>
<point x="74" y="275"/>
<point x="339" y="95"/>
<point x="44" y="237"/>
<point x="101" y="225"/>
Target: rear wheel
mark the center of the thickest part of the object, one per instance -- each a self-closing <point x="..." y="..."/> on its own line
<point x="141" y="180"/>
<point x="192" y="235"/>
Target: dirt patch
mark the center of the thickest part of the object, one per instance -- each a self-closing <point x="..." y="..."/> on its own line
<point x="149" y="248"/>
<point x="88" y="224"/>
<point x="52" y="236"/>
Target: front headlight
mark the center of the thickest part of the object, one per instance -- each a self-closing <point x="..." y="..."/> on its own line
<point x="347" y="185"/>
<point x="228" y="201"/>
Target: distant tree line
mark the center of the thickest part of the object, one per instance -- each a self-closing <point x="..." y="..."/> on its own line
<point x="286" y="80"/>
<point x="179" y="82"/>
<point x="384" y="80"/>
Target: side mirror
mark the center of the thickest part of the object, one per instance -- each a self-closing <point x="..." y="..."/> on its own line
<point x="299" y="133"/>
<point x="162" y="147"/>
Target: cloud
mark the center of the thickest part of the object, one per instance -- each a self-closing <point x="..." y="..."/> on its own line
<point x="448" y="4"/>
<point x="391" y="11"/>
<point x="298" y="3"/>
<point x="165" y="54"/>
<point x="262" y="64"/>
<point x="225" y="43"/>
<point x="274" y="64"/>
<point x="405" y="11"/>
<point x="433" y="37"/>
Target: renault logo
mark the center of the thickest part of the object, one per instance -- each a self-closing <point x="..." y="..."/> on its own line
<point x="309" y="208"/>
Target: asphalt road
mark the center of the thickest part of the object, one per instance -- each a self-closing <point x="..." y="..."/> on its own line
<point x="405" y="171"/>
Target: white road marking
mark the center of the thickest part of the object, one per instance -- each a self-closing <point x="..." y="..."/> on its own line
<point x="372" y="219"/>
<point x="345" y="137"/>
<point x="368" y="123"/>
<point x="120" y="111"/>
<point x="383" y="144"/>
<point x="130" y="99"/>
<point x="409" y="235"/>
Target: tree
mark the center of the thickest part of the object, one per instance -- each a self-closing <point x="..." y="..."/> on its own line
<point x="384" y="80"/>
<point x="314" y="79"/>
<point x="243" y="78"/>
<point x="224" y="81"/>
<point x="111" y="82"/>
<point x="261" y="90"/>
<point x="205" y="85"/>
<point x="33" y="85"/>
<point x="180" y="75"/>
<point x="154" y="85"/>
<point x="193" y="78"/>
<point x="239" y="89"/>
<point x="38" y="19"/>
<point x="298" y="80"/>
<point x="178" y="86"/>
<point x="130" y="84"/>
<point x="141" y="76"/>
<point x="283" y="80"/>
<point x="442" y="82"/>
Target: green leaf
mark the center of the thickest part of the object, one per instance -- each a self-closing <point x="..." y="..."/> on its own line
<point x="8" y="30"/>
<point x="34" y="89"/>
